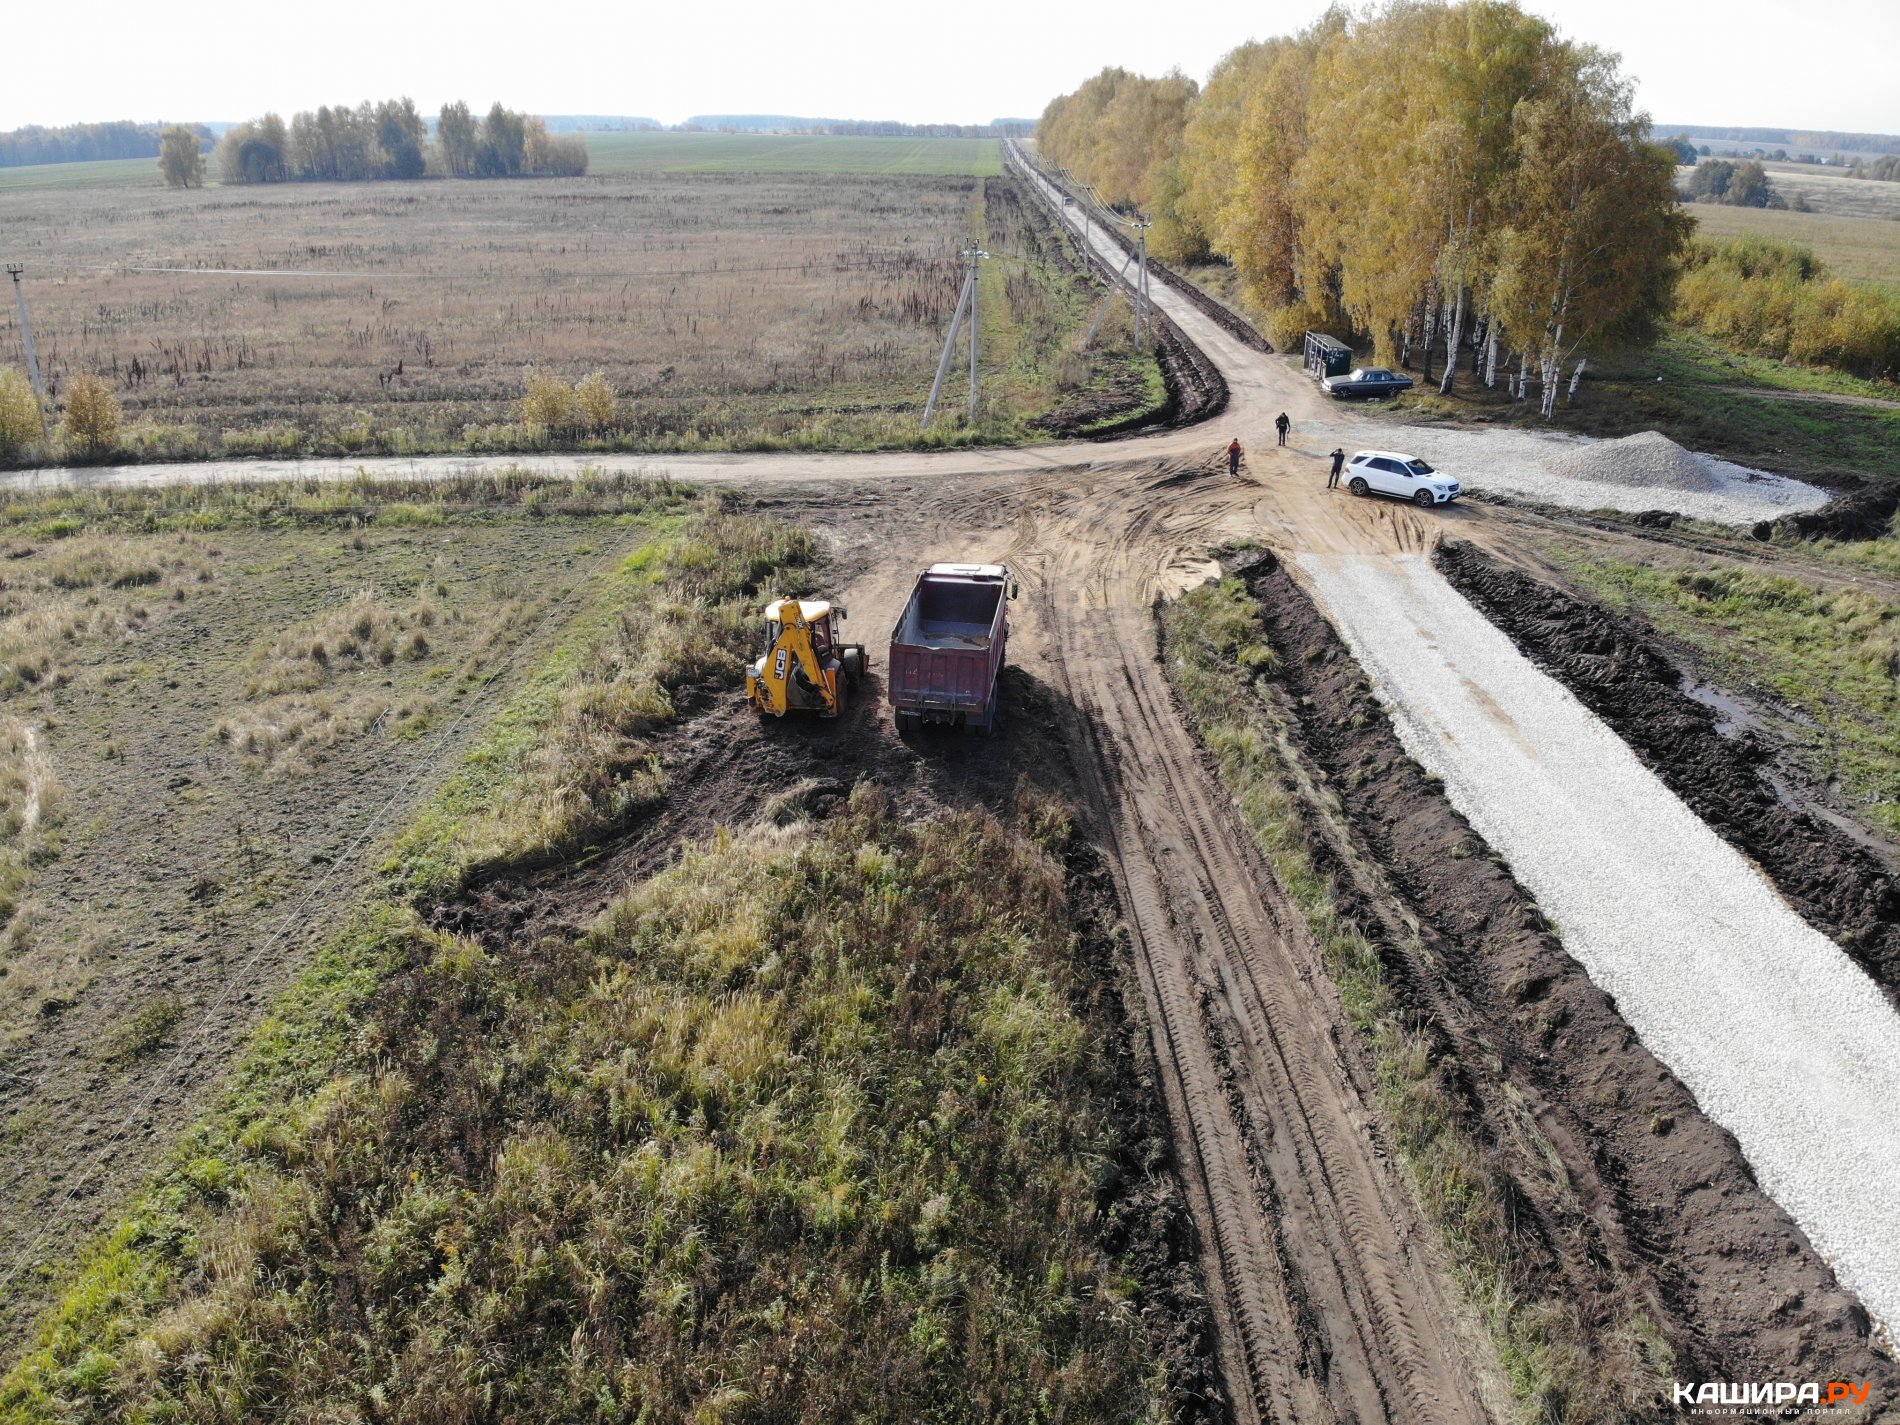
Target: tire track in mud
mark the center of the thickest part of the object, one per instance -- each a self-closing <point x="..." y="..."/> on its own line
<point x="1326" y="1309"/>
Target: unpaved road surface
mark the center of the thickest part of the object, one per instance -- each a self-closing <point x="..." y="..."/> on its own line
<point x="1314" y="1266"/>
<point x="1328" y="1299"/>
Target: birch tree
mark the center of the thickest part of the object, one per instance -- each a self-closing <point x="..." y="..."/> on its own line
<point x="1596" y="235"/>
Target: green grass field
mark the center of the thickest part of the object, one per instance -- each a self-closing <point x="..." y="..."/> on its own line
<point x="106" y="173"/>
<point x="790" y="153"/>
<point x="612" y="153"/>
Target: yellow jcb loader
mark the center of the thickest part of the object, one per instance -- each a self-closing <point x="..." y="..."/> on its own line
<point x="805" y="665"/>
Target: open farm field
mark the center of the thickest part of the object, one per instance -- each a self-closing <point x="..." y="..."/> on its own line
<point x="611" y="153"/>
<point x="1858" y="247"/>
<point x="117" y="173"/>
<point x="912" y="1105"/>
<point x="1832" y="192"/>
<point x="207" y="701"/>
<point x="725" y="310"/>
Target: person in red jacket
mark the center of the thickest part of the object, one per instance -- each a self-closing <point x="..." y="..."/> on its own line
<point x="1233" y="457"/>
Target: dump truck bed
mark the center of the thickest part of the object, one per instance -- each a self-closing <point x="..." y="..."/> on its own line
<point x="947" y="648"/>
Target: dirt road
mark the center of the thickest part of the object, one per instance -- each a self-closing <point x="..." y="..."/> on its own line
<point x="1324" y="1293"/>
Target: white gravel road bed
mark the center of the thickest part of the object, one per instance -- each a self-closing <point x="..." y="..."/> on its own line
<point x="1529" y="465"/>
<point x="1781" y="1038"/>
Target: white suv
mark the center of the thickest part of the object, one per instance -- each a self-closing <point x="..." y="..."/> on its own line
<point x="1386" y="472"/>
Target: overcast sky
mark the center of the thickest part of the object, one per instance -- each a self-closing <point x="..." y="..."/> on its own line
<point x="1816" y="64"/>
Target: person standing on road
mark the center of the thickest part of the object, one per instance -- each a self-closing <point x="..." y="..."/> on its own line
<point x="1233" y="457"/>
<point x="1283" y="425"/>
<point x="1339" y="461"/>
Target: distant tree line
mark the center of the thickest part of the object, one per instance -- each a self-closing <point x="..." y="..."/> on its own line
<point x="1796" y="138"/>
<point x="1455" y="175"/>
<point x="1886" y="168"/>
<point x="391" y="140"/>
<point x="1739" y="185"/>
<point x="84" y="143"/>
<point x="885" y="129"/>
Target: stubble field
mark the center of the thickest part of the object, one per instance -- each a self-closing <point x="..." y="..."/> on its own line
<point x="725" y="309"/>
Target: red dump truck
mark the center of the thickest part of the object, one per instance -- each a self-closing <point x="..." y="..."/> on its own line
<point x="947" y="648"/>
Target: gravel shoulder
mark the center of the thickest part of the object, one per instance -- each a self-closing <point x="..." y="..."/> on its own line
<point x="1781" y="1038"/>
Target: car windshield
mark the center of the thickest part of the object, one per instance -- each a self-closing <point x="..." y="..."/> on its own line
<point x="1417" y="467"/>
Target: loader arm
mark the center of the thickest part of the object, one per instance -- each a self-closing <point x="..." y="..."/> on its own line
<point x="795" y="644"/>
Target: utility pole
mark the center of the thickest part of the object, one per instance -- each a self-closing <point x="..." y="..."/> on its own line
<point x="26" y="337"/>
<point x="1142" y="314"/>
<point x="966" y="302"/>
<point x="975" y="254"/>
<point x="1114" y="290"/>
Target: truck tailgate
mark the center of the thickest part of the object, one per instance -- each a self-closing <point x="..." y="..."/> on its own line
<point x="939" y="677"/>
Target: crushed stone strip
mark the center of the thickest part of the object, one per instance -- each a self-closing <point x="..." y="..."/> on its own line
<point x="1526" y="465"/>
<point x="1781" y="1038"/>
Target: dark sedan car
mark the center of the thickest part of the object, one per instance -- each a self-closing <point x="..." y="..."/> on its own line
<point x="1367" y="381"/>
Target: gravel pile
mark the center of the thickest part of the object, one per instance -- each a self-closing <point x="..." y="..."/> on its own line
<point x="1651" y="459"/>
<point x="1781" y="1038"/>
<point x="1639" y="472"/>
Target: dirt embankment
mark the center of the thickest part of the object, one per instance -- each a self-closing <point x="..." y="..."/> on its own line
<point x="1861" y="509"/>
<point x="1621" y="675"/>
<point x="1228" y="320"/>
<point x="1225" y="317"/>
<point x="1651" y="1199"/>
<point x="728" y="767"/>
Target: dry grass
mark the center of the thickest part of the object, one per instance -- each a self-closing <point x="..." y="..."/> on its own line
<point x="30" y="795"/>
<point x="320" y="682"/>
<point x="576" y="753"/>
<point x="722" y="309"/>
<point x="58" y="596"/>
<point x="739" y="1170"/>
<point x="322" y="630"/>
<point x="1828" y="190"/>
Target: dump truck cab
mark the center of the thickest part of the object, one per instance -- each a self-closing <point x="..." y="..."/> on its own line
<point x="806" y="664"/>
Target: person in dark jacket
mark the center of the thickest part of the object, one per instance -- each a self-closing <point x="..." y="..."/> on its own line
<point x="1283" y="425"/>
<point x="1233" y="457"/>
<point x="1339" y="462"/>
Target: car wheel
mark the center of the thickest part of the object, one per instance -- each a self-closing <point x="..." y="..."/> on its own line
<point x="1358" y="486"/>
<point x="1423" y="499"/>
